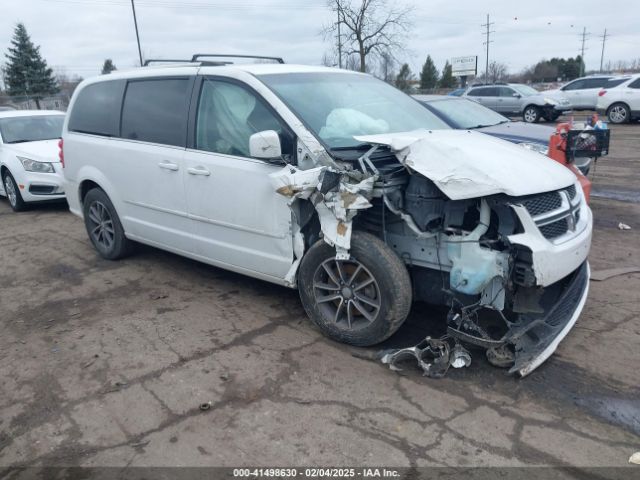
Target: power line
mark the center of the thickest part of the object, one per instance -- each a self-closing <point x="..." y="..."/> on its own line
<point x="604" y="41"/>
<point x="487" y="42"/>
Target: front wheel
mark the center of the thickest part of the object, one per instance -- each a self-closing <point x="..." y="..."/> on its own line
<point x="531" y="114"/>
<point x="103" y="226"/>
<point x="361" y="301"/>
<point x="13" y="193"/>
<point x="618" y="113"/>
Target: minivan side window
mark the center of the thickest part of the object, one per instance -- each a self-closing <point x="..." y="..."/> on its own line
<point x="155" y="111"/>
<point x="228" y="114"/>
<point x="96" y="110"/>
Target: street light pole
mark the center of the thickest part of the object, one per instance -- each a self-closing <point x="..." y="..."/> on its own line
<point x="135" y="23"/>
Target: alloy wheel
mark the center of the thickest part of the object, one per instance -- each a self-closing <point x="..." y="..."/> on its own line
<point x="10" y="190"/>
<point x="101" y="225"/>
<point x="347" y="292"/>
<point x="618" y="114"/>
<point x="530" y="115"/>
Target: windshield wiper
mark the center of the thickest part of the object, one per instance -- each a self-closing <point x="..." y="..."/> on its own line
<point x="360" y="146"/>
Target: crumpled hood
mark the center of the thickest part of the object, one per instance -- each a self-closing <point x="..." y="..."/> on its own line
<point x="465" y="164"/>
<point x="42" y="150"/>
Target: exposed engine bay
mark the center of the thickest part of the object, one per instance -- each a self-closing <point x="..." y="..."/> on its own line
<point x="484" y="257"/>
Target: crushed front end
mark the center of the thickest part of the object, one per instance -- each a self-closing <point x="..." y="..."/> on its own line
<point x="512" y="269"/>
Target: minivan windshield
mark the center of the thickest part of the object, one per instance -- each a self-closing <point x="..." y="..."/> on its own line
<point x="338" y="106"/>
<point x="463" y="113"/>
<point x="31" y="128"/>
<point x="524" y="90"/>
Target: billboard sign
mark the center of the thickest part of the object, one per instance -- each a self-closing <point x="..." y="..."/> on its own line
<point x="464" y="66"/>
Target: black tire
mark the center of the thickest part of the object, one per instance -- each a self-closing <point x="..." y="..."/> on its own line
<point x="362" y="324"/>
<point x="15" y="201"/>
<point x="103" y="226"/>
<point x="619" y="113"/>
<point x="531" y="114"/>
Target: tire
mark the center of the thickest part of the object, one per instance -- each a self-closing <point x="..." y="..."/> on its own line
<point x="349" y="315"/>
<point x="531" y="114"/>
<point x="619" y="113"/>
<point x="12" y="192"/>
<point x="103" y="226"/>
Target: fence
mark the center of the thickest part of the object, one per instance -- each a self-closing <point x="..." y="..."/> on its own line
<point x="31" y="102"/>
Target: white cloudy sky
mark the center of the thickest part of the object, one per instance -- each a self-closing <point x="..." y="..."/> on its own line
<point x="77" y="35"/>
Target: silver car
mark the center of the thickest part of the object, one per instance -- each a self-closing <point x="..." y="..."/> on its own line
<point x="518" y="99"/>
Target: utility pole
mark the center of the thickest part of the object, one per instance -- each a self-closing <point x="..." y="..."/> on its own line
<point x="584" y="38"/>
<point x="135" y="23"/>
<point x="487" y="42"/>
<point x="604" y="40"/>
<point x="339" y="41"/>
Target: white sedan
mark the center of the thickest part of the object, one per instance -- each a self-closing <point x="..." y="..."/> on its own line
<point x="30" y="166"/>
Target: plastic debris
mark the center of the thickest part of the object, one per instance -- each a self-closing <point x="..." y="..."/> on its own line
<point x="432" y="355"/>
<point x="635" y="458"/>
<point x="623" y="226"/>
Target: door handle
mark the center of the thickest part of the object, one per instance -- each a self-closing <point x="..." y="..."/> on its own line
<point x="199" y="171"/>
<point x="168" y="166"/>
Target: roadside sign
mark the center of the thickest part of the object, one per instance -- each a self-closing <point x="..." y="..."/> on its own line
<point x="464" y="66"/>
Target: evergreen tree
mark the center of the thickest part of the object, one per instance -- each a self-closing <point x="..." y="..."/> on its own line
<point x="108" y="66"/>
<point x="26" y="72"/>
<point x="404" y="77"/>
<point x="447" y="80"/>
<point x="429" y="75"/>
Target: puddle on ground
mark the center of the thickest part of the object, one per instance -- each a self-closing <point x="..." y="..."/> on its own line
<point x="620" y="411"/>
<point x="620" y="195"/>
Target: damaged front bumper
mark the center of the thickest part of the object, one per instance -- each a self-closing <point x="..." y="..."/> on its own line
<point x="536" y="337"/>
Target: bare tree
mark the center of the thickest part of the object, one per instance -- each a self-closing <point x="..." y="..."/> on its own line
<point x="369" y="27"/>
<point x="387" y="66"/>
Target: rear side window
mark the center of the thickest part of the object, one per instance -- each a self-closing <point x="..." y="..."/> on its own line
<point x="156" y="111"/>
<point x="484" y="92"/>
<point x="614" y="82"/>
<point x="635" y="83"/>
<point x="96" y="110"/>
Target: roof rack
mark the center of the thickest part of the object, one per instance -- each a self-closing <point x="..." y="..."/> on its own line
<point x="257" y="57"/>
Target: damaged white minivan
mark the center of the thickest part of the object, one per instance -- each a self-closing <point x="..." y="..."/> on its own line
<point x="338" y="184"/>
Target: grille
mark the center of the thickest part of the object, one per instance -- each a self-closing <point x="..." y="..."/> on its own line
<point x="543" y="203"/>
<point x="555" y="229"/>
<point x="572" y="192"/>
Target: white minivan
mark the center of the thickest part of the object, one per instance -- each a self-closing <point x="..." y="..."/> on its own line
<point x="338" y="184"/>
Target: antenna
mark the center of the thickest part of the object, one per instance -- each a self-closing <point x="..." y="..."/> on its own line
<point x="487" y="42"/>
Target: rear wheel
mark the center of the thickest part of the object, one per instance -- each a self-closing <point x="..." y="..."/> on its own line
<point x="531" y="114"/>
<point x="360" y="301"/>
<point x="13" y="193"/>
<point x="619" y="113"/>
<point x="103" y="226"/>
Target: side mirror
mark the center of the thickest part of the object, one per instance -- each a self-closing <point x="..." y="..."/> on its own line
<point x="517" y="95"/>
<point x="265" y="145"/>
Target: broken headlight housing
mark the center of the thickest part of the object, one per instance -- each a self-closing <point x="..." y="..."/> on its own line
<point x="36" y="166"/>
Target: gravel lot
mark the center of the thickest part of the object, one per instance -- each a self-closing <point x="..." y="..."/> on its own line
<point x="106" y="363"/>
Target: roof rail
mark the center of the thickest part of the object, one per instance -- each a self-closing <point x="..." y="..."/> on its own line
<point x="257" y="57"/>
<point x="164" y="60"/>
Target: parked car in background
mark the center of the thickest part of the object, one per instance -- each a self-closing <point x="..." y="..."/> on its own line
<point x="338" y="184"/>
<point x="461" y="113"/>
<point x="519" y="99"/>
<point x="620" y="103"/>
<point x="582" y="93"/>
<point x="457" y="92"/>
<point x="29" y="164"/>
